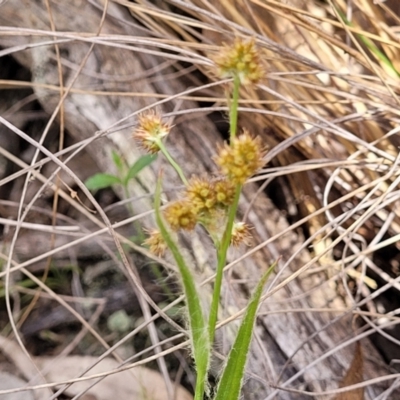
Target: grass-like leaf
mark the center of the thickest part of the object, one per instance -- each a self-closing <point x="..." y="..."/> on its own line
<point x="118" y="161"/>
<point x="197" y="326"/>
<point x="231" y="380"/>
<point x="140" y="164"/>
<point x="101" y="181"/>
<point x="371" y="46"/>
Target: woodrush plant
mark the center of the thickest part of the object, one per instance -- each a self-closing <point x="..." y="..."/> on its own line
<point x="212" y="202"/>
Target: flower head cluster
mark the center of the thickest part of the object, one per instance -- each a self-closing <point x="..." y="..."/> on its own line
<point x="224" y="192"/>
<point x="181" y="215"/>
<point x="241" y="60"/>
<point x="241" y="234"/>
<point x="205" y="200"/>
<point x="156" y="243"/>
<point x="241" y="159"/>
<point x="150" y="131"/>
<point x="207" y="194"/>
<point x="200" y="192"/>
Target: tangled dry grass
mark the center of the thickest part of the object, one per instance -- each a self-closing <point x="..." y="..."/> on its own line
<point x="328" y="112"/>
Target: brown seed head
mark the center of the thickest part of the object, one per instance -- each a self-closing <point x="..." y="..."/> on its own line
<point x="241" y="234"/>
<point x="150" y="130"/>
<point x="181" y="215"/>
<point x="201" y="193"/>
<point x="156" y="243"/>
<point x="240" y="59"/>
<point x="224" y="192"/>
<point x="242" y="158"/>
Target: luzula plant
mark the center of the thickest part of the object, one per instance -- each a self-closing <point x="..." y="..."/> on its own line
<point x="212" y="203"/>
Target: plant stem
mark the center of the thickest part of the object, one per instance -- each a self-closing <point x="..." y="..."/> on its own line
<point x="168" y="156"/>
<point x="222" y="252"/>
<point x="233" y="108"/>
<point x="197" y="324"/>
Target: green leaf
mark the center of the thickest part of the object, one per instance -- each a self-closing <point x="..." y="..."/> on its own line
<point x="118" y="161"/>
<point x="197" y="326"/>
<point x="231" y="380"/>
<point x="101" y="181"/>
<point x="141" y="163"/>
<point x="370" y="45"/>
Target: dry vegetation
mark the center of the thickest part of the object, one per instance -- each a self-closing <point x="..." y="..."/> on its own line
<point x="75" y="75"/>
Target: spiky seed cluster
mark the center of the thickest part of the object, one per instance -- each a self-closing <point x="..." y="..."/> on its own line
<point x="240" y="59"/>
<point x="156" y="243"/>
<point x="150" y="131"/>
<point x="181" y="215"/>
<point x="200" y="192"/>
<point x="241" y="234"/>
<point x="206" y="194"/>
<point x="241" y="159"/>
<point x="224" y="192"/>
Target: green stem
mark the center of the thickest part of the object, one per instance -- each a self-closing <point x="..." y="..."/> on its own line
<point x="222" y="252"/>
<point x="168" y="156"/>
<point x="233" y="108"/>
<point x="197" y="323"/>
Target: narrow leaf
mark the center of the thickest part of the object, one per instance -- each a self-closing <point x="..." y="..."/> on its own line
<point x="101" y="181"/>
<point x="118" y="161"/>
<point x="371" y="46"/>
<point x="197" y="326"/>
<point x="231" y="380"/>
<point x="353" y="376"/>
<point x="141" y="163"/>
